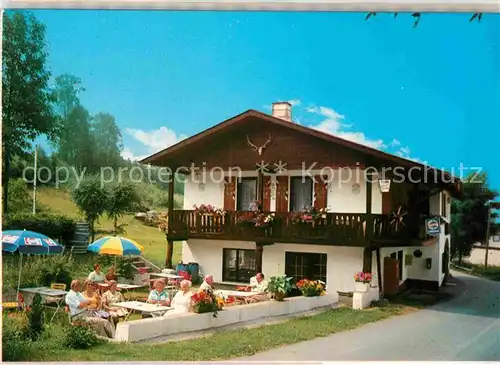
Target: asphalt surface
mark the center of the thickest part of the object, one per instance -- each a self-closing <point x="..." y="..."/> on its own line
<point x="465" y="328"/>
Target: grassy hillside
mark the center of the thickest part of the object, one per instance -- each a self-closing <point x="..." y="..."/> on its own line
<point x="153" y="240"/>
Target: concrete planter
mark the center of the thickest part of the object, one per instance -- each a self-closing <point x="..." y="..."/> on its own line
<point x="362" y="287"/>
<point x="188" y="322"/>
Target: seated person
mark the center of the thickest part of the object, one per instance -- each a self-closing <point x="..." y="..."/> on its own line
<point x="208" y="283"/>
<point x="97" y="276"/>
<point x="111" y="275"/>
<point x="78" y="309"/>
<point x="90" y="294"/>
<point x="159" y="294"/>
<point x="181" y="303"/>
<point x="111" y="297"/>
<point x="259" y="287"/>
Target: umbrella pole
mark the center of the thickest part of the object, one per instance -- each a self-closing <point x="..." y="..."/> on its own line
<point x="19" y="277"/>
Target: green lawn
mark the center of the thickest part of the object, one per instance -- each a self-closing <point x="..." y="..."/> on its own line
<point x="153" y="240"/>
<point x="225" y="344"/>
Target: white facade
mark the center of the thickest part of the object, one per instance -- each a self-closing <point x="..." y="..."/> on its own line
<point x="342" y="262"/>
<point x="340" y="197"/>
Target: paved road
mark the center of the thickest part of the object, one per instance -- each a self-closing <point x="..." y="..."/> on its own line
<point x="466" y="328"/>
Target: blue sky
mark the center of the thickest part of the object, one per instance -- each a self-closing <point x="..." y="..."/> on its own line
<point x="429" y="93"/>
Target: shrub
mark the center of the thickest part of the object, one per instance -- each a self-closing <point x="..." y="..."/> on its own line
<point x="36" y="318"/>
<point x="15" y="347"/>
<point x="38" y="270"/>
<point x="491" y="272"/>
<point x="55" y="226"/>
<point x="80" y="337"/>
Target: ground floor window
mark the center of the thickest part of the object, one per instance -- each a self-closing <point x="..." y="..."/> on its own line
<point x="305" y="265"/>
<point x="238" y="265"/>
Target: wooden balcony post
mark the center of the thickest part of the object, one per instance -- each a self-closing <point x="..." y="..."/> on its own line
<point x="259" y="249"/>
<point x="171" y="224"/>
<point x="369" y="218"/>
<point x="367" y="259"/>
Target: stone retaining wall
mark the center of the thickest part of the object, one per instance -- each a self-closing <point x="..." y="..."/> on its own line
<point x="148" y="328"/>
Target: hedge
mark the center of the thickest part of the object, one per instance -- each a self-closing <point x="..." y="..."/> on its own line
<point x="55" y="226"/>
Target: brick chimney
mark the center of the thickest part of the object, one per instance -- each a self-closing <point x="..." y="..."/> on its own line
<point x="282" y="110"/>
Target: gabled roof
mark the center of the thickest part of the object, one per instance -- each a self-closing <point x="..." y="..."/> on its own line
<point x="294" y="126"/>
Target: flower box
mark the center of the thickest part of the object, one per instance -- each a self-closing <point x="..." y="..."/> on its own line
<point x="311" y="288"/>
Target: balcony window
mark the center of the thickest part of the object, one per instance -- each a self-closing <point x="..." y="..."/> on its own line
<point x="238" y="265"/>
<point x="246" y="193"/>
<point x="301" y="194"/>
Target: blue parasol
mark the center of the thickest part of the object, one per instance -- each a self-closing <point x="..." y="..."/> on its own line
<point x="28" y="243"/>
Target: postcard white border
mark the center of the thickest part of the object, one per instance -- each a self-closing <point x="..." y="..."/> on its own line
<point x="462" y="6"/>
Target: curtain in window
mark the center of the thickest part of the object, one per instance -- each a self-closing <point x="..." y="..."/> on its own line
<point x="301" y="194"/>
<point x="247" y="193"/>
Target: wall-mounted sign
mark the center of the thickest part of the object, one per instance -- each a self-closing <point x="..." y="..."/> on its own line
<point x="385" y="185"/>
<point x="432" y="226"/>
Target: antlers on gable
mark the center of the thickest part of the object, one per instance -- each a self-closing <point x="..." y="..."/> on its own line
<point x="259" y="149"/>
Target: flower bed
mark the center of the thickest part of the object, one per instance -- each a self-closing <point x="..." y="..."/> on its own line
<point x="312" y="216"/>
<point x="209" y="209"/>
<point x="205" y="301"/>
<point x="311" y="288"/>
<point x="256" y="219"/>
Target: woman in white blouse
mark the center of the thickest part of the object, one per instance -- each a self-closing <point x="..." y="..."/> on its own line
<point x="181" y="303"/>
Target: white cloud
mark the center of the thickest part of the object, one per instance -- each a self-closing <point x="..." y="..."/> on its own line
<point x="154" y="140"/>
<point x="294" y="102"/>
<point x="127" y="154"/>
<point x="395" y="142"/>
<point x="333" y="125"/>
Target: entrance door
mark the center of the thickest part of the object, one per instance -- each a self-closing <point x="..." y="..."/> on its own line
<point x="391" y="276"/>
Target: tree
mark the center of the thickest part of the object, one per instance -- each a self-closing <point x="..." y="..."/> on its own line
<point x="76" y="143"/>
<point x="469" y="215"/>
<point x="122" y="199"/>
<point x="91" y="199"/>
<point x="107" y="140"/>
<point x="19" y="197"/>
<point x="66" y="92"/>
<point x="27" y="100"/>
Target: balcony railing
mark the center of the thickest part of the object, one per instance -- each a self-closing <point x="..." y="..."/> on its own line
<point x="332" y="228"/>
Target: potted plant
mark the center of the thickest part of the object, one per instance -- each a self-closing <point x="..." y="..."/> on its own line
<point x="362" y="280"/>
<point x="280" y="286"/>
<point x="311" y="288"/>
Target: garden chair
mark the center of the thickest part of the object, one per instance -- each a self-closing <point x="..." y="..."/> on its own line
<point x="9" y="302"/>
<point x="55" y="286"/>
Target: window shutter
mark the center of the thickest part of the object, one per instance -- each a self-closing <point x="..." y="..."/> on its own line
<point x="320" y="192"/>
<point x="229" y="193"/>
<point x="282" y="195"/>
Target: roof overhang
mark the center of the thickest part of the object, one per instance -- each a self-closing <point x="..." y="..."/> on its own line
<point x="453" y="184"/>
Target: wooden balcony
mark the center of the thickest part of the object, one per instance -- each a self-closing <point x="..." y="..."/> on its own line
<point x="344" y="229"/>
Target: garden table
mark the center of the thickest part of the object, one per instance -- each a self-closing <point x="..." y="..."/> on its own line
<point x="129" y="287"/>
<point x="149" y="308"/>
<point x="45" y="292"/>
<point x="244" y="295"/>
<point x="173" y="277"/>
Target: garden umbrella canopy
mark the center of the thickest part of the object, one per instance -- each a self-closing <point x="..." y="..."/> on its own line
<point x="29" y="243"/>
<point x="118" y="246"/>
